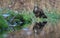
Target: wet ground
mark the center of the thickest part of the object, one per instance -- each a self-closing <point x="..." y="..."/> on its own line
<point x="47" y="32"/>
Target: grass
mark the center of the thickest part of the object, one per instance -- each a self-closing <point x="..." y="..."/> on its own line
<point x="53" y="16"/>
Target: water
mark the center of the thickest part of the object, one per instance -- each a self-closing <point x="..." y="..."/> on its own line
<point x="27" y="31"/>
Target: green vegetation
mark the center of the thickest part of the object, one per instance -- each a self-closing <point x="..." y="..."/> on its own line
<point x="3" y="24"/>
<point x="53" y="16"/>
<point x="27" y="16"/>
